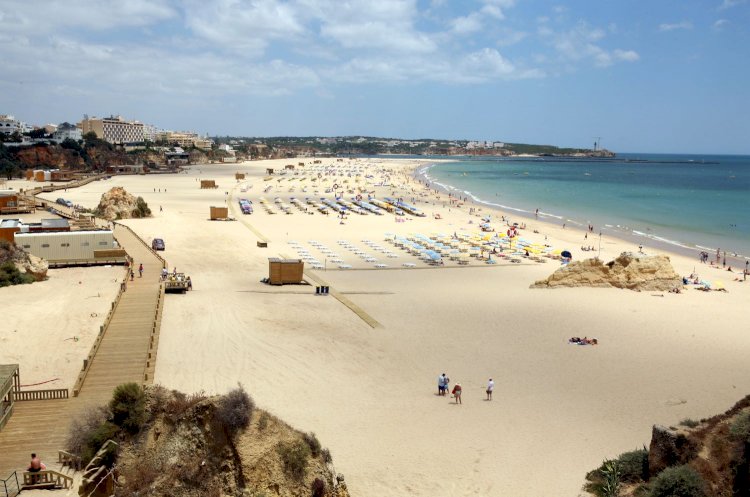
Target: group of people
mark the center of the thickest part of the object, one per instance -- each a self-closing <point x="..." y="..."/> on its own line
<point x="444" y="387"/>
<point x="583" y="341"/>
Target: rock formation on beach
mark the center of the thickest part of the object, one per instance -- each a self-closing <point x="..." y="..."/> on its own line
<point x="26" y="264"/>
<point x="119" y="204"/>
<point x="632" y="271"/>
<point x="710" y="457"/>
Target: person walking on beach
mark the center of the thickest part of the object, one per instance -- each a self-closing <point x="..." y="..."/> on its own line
<point x="140" y="271"/>
<point x="132" y="275"/>
<point x="442" y="384"/>
<point x="490" y="388"/>
<point x="457" y="393"/>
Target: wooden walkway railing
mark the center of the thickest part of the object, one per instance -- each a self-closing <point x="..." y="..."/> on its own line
<point x="45" y="479"/>
<point x="51" y="394"/>
<point x="65" y="458"/>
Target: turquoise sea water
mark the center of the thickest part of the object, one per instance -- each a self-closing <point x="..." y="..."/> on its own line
<point x="691" y="202"/>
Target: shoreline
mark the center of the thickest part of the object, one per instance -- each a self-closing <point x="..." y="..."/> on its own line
<point x="671" y="247"/>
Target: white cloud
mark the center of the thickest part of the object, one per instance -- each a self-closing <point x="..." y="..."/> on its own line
<point x="467" y="24"/>
<point x="386" y="24"/>
<point x="582" y="43"/>
<point x="675" y="26"/>
<point x="719" y="24"/>
<point x="20" y="15"/>
<point x="728" y="4"/>
<point x="626" y="55"/>
<point x="248" y="29"/>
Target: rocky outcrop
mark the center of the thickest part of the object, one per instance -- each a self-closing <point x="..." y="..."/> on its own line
<point x="632" y="271"/>
<point x="669" y="447"/>
<point x="119" y="204"/>
<point x="186" y="450"/>
<point x="710" y="457"/>
<point x="25" y="263"/>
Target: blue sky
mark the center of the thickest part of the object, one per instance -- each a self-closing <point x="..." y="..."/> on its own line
<point x="646" y="76"/>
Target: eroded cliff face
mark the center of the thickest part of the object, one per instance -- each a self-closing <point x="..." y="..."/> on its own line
<point x="186" y="450"/>
<point x="49" y="157"/>
<point x="631" y="271"/>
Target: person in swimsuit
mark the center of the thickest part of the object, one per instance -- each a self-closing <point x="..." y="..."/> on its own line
<point x="457" y="393"/>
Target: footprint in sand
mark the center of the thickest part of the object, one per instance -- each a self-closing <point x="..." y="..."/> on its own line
<point x="675" y="402"/>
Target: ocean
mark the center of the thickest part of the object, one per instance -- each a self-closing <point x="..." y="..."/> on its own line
<point x="687" y="202"/>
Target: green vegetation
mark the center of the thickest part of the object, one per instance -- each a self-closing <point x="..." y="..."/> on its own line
<point x="10" y="275"/>
<point x="678" y="481"/>
<point x="690" y="423"/>
<point x="629" y="467"/>
<point x="294" y="455"/>
<point x="141" y="208"/>
<point x="128" y="407"/>
<point x="740" y="428"/>
<point x="312" y="441"/>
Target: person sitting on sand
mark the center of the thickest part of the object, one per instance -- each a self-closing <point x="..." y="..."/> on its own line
<point x="457" y="393"/>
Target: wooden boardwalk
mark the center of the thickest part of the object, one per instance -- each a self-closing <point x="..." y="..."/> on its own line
<point x="126" y="353"/>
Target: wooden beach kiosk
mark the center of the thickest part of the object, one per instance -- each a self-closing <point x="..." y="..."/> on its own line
<point x="239" y="176"/>
<point x="9" y="384"/>
<point x="269" y="170"/>
<point x="208" y="183"/>
<point x="289" y="167"/>
<point x="218" y="213"/>
<point x="285" y="271"/>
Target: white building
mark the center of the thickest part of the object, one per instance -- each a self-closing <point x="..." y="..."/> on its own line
<point x="67" y="130"/>
<point x="10" y="125"/>
<point x="113" y="129"/>
<point x="226" y="148"/>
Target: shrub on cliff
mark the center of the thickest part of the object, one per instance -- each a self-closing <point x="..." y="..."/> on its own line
<point x="294" y="456"/>
<point x="235" y="410"/>
<point x="678" y="481"/>
<point x="128" y="407"/>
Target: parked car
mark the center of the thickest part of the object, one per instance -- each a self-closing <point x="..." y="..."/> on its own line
<point x="60" y="201"/>
<point x="69" y="203"/>
<point x="158" y="244"/>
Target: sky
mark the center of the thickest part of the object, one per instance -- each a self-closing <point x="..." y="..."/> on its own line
<point x="644" y="75"/>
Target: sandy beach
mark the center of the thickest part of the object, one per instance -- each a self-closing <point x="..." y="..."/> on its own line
<point x="370" y="392"/>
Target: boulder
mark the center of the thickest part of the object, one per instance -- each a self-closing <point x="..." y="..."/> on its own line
<point x="119" y="204"/>
<point x="632" y="271"/>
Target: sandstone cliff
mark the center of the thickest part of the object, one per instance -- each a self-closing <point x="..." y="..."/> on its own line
<point x="119" y="204"/>
<point x="710" y="457"/>
<point x="631" y="271"/>
<point x="43" y="156"/>
<point x="196" y="446"/>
